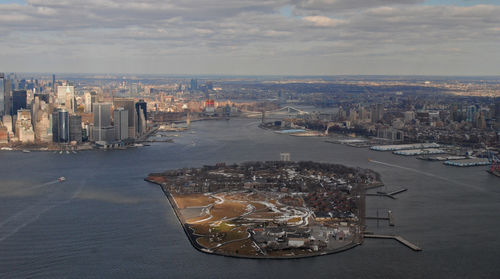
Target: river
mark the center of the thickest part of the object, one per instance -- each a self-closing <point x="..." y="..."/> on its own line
<point x="105" y="221"/>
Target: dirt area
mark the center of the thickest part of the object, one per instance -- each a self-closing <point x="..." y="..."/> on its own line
<point x="243" y="247"/>
<point x="192" y="200"/>
<point x="228" y="209"/>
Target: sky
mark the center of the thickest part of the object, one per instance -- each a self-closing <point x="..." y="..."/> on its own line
<point x="251" y="37"/>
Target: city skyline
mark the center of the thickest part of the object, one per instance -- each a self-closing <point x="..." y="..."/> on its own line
<point x="289" y="37"/>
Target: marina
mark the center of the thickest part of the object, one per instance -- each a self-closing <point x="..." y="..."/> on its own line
<point x="404" y="146"/>
<point x="472" y="162"/>
<point x="413" y="152"/>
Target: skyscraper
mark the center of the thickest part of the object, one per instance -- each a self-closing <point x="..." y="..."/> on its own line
<point x="7" y="97"/>
<point x="66" y="96"/>
<point x="103" y="131"/>
<point x="2" y="94"/>
<point x="18" y="101"/>
<point x="128" y="105"/>
<point x="63" y="126"/>
<point x="75" y="128"/>
<point x="120" y="117"/>
<point x="194" y="85"/>
<point x="142" y="116"/>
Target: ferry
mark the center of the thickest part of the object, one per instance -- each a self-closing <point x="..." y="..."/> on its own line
<point x="61" y="179"/>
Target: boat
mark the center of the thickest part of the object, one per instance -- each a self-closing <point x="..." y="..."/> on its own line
<point x="61" y="179"/>
<point x="26" y="151"/>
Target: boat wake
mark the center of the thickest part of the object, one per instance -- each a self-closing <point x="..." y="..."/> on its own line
<point x="429" y="175"/>
<point x="30" y="214"/>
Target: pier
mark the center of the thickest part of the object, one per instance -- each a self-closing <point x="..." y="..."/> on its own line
<point x="398" y="238"/>
<point x="388" y="218"/>
<point x="389" y="195"/>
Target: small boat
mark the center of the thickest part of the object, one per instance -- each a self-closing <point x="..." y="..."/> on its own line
<point x="61" y="179"/>
<point x="26" y="151"/>
<point x="67" y="152"/>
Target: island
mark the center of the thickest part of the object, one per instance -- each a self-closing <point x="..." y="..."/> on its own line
<point x="269" y="209"/>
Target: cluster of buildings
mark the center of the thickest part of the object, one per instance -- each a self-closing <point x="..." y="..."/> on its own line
<point x="312" y="206"/>
<point x="51" y="112"/>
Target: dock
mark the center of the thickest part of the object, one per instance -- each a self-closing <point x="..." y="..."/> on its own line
<point x="388" y="218"/>
<point x="389" y="195"/>
<point x="398" y="191"/>
<point x="398" y="238"/>
<point x="380" y="194"/>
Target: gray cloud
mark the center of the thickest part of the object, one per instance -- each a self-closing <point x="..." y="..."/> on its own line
<point x="247" y="37"/>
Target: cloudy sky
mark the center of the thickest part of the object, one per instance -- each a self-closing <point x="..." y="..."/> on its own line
<point x="251" y="37"/>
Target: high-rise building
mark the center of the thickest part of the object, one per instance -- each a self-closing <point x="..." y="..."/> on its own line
<point x="75" y="128"/>
<point x="53" y="83"/>
<point x="7" y="89"/>
<point x="102" y="131"/>
<point x="66" y="97"/>
<point x="128" y="104"/>
<point x="378" y="113"/>
<point x="142" y="116"/>
<point x="194" y="84"/>
<point x="2" y="94"/>
<point x="18" y="100"/>
<point x="55" y="125"/>
<point x="120" y="117"/>
<point x="63" y="126"/>
<point x="41" y="120"/>
<point x="24" y="128"/>
<point x="87" y="101"/>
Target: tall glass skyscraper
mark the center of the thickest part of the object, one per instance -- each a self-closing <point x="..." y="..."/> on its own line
<point x="2" y="94"/>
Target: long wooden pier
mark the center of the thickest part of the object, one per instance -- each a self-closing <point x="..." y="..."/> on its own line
<point x="398" y="238"/>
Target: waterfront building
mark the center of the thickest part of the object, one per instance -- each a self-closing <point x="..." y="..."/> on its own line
<point x="102" y="131"/>
<point x="142" y="116"/>
<point x="390" y="133"/>
<point x="4" y="134"/>
<point x="128" y="104"/>
<point x="75" y="128"/>
<point x="41" y="120"/>
<point x="54" y="124"/>
<point x="63" y="125"/>
<point x="120" y="118"/>
<point x="24" y="128"/>
<point x="18" y="100"/>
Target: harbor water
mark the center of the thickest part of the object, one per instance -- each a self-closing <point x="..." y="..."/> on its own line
<point x="105" y="221"/>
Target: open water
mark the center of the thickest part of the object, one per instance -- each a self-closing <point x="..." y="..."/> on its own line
<point x="105" y="221"/>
